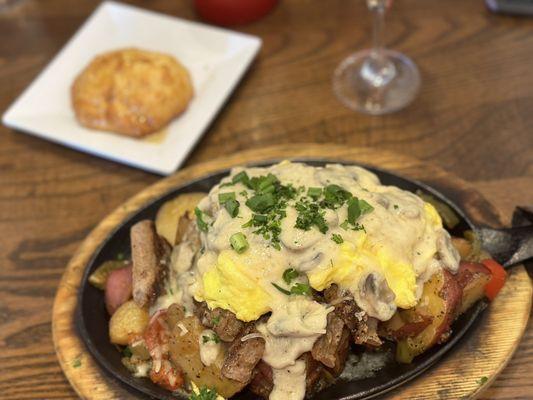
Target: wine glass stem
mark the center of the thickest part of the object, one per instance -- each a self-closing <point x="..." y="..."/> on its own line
<point x="378" y="70"/>
<point x="378" y="16"/>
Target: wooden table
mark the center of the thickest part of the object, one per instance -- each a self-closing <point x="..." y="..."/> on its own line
<point x="473" y="117"/>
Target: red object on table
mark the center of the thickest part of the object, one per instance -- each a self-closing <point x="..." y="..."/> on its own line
<point x="233" y="12"/>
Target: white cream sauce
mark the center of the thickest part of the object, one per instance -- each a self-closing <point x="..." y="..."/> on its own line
<point x="209" y="348"/>
<point x="400" y="238"/>
<point x="289" y="382"/>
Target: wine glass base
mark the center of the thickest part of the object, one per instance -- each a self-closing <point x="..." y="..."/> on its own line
<point x="355" y="90"/>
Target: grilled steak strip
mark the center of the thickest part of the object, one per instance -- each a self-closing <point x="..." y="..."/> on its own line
<point x="362" y="327"/>
<point x="262" y="382"/>
<point x="150" y="255"/>
<point x="243" y="356"/>
<point x="331" y="349"/>
<point x="223" y="322"/>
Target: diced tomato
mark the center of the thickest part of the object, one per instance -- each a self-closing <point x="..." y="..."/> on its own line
<point x="498" y="278"/>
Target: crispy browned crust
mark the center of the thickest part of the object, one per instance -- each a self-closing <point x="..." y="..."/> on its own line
<point x="242" y="357"/>
<point x="130" y="91"/>
<point x="150" y="257"/>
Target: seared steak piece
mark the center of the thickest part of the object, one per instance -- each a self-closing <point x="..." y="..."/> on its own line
<point x="331" y="349"/>
<point x="243" y="356"/>
<point x="317" y="377"/>
<point x="150" y="256"/>
<point x="362" y="327"/>
<point x="223" y="322"/>
<point x="262" y="382"/>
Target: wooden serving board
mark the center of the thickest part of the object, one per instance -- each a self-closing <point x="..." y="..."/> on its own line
<point x="458" y="375"/>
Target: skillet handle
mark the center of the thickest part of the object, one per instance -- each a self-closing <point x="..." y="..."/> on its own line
<point x="510" y="246"/>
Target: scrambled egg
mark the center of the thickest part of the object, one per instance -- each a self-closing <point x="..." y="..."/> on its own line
<point x="231" y="285"/>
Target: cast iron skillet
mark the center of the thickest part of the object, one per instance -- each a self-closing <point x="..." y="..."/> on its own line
<point x="509" y="247"/>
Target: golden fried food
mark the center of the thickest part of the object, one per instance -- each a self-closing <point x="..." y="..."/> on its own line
<point x="130" y="91"/>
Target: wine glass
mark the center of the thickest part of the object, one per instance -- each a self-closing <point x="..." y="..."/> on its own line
<point x="376" y="81"/>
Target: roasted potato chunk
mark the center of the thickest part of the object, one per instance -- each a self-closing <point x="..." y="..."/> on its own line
<point x="440" y="299"/>
<point x="472" y="278"/>
<point x="127" y="323"/>
<point x="185" y="351"/>
<point x="166" y="221"/>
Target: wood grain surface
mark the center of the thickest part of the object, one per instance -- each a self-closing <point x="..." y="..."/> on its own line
<point x="484" y="353"/>
<point x="472" y="118"/>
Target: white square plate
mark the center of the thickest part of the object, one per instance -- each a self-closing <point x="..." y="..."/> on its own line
<point x="216" y="59"/>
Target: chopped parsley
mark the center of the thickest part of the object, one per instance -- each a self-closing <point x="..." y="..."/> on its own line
<point x="120" y="256"/>
<point x="127" y="352"/>
<point x="482" y="380"/>
<point x="204" y="394"/>
<point x="310" y="214"/>
<point x="337" y="238"/>
<point x="357" y="227"/>
<point x="213" y="338"/>
<point x="335" y="196"/>
<point x="215" y="320"/>
<point x="76" y="363"/>
<point x="396" y="206"/>
<point x="202" y="225"/>
<point x="289" y="275"/>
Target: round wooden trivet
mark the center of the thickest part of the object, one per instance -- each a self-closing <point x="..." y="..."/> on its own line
<point x="460" y="375"/>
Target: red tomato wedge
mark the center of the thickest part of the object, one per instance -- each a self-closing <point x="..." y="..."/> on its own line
<point x="498" y="278"/>
<point x="233" y="12"/>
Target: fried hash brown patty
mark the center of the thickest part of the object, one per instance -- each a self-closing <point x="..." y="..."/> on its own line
<point x="130" y="91"/>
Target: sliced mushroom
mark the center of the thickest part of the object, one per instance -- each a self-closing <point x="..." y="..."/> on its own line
<point x="375" y="297"/>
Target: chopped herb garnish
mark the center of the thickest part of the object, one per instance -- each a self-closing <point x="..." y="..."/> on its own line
<point x="204" y="394"/>
<point x="261" y="203"/>
<point x="232" y="207"/>
<point x="120" y="256"/>
<point x="215" y="320"/>
<point x="230" y="204"/>
<point x="289" y="275"/>
<point x="202" y="225"/>
<point x="337" y="238"/>
<point x="76" y="363"/>
<point x="241" y="177"/>
<point x="356" y="208"/>
<point x="301" y="289"/>
<point x="482" y="380"/>
<point x="284" y="291"/>
<point x="357" y="227"/>
<point x="335" y="196"/>
<point x="238" y="242"/>
<point x="396" y="206"/>
<point x="298" y="289"/>
<point x="127" y="352"/>
<point x="213" y="338"/>
<point x="223" y="197"/>
<point x="314" y="192"/>
<point x="310" y="214"/>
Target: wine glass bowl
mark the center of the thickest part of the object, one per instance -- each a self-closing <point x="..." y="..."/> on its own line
<point x="376" y="81"/>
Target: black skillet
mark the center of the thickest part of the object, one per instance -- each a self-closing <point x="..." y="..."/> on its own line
<point x="508" y="246"/>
